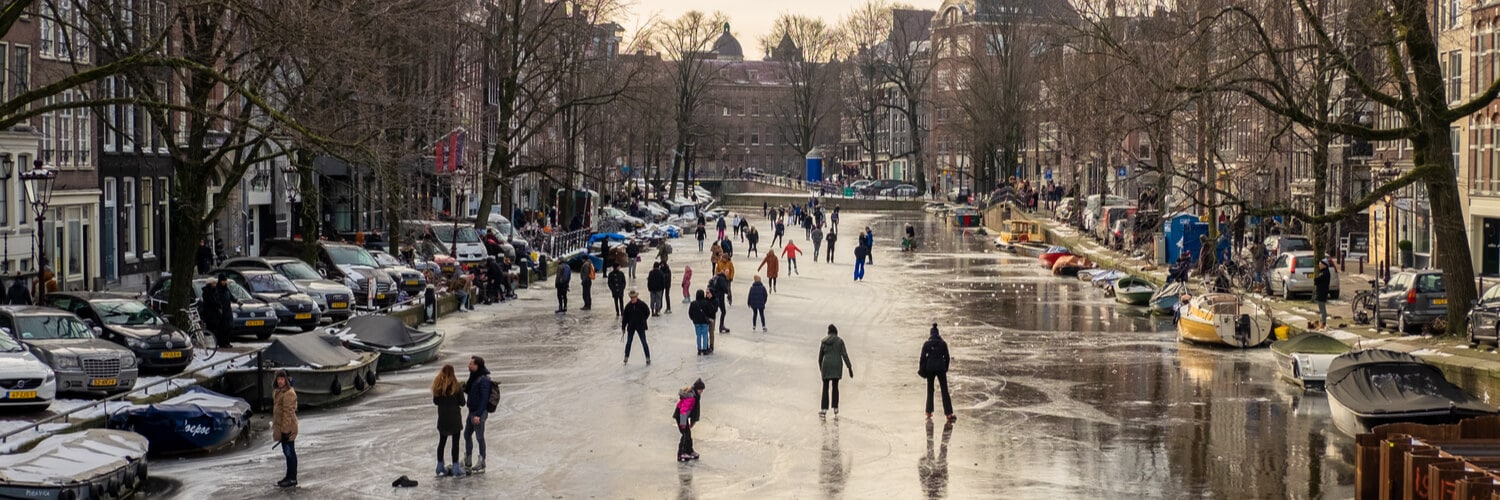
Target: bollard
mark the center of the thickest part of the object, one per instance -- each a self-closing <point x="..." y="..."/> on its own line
<point x="1361" y="265"/>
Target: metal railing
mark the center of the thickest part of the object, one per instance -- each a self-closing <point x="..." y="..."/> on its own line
<point x="556" y="243"/>
<point x="822" y="189"/>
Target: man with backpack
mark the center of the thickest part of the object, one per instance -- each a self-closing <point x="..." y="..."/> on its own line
<point x="564" y="274"/>
<point x="482" y="400"/>
<point x="657" y="283"/>
<point x="616" y="282"/>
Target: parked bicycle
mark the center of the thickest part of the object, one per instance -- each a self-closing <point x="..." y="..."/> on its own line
<point x="203" y="340"/>
<point x="1366" y="304"/>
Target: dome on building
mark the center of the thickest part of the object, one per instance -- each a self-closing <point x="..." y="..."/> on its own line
<point x="727" y="47"/>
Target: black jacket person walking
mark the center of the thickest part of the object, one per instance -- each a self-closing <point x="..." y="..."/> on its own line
<point x="633" y="322"/>
<point x="934" y="365"/>
<point x="616" y="282"/>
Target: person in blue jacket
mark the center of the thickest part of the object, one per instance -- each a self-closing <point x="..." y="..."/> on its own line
<point x="477" y="388"/>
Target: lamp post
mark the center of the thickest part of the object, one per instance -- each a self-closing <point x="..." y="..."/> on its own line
<point x="292" y="181"/>
<point x="457" y="190"/>
<point x="7" y="166"/>
<point x="38" y="186"/>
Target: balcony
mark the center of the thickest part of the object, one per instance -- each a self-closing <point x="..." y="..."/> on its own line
<point x="1484" y="188"/>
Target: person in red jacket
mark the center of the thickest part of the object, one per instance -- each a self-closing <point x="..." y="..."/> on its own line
<point x="790" y="253"/>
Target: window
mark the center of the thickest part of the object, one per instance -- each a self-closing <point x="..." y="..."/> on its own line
<point x="44" y="41"/>
<point x="1455" y="75"/>
<point x="45" y="144"/>
<point x="148" y="216"/>
<point x="84" y="125"/>
<point x="755" y="138"/>
<point x="754" y="107"/>
<point x="127" y="223"/>
<point x="64" y="123"/>
<point x="159" y="132"/>
<point x="21" y="70"/>
<point x="111" y="126"/>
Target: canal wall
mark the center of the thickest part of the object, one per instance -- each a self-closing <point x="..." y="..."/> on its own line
<point x="1475" y="370"/>
<point x="855" y="204"/>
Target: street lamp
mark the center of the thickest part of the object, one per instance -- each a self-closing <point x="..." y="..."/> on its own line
<point x="7" y="166"/>
<point x="38" y="186"/>
<point x="292" y="181"/>
<point x="457" y="191"/>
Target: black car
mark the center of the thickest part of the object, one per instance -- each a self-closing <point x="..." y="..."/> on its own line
<point x="407" y="279"/>
<point x="294" y="308"/>
<point x="349" y="264"/>
<point x="126" y="321"/>
<point x="1484" y="319"/>
<point x="336" y="301"/>
<point x="252" y="316"/>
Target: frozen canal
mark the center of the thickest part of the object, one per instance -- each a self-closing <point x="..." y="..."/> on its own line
<point x="1059" y="394"/>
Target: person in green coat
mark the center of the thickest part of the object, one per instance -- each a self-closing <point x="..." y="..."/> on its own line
<point x="829" y="355"/>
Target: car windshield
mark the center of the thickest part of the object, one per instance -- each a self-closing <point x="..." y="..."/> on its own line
<point x="349" y="255"/>
<point x="126" y="312"/>
<point x="385" y="259"/>
<point x="8" y="344"/>
<point x="1430" y="283"/>
<point x="1295" y="245"/>
<point x="298" y="271"/>
<point x="501" y="225"/>
<point x="1305" y="261"/>
<point x="51" y="327"/>
<point x="444" y="233"/>
<point x="235" y="290"/>
<point x="270" y="283"/>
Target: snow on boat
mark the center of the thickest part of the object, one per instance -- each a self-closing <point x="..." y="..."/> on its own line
<point x="1374" y="387"/>
<point x="322" y="369"/>
<point x="400" y="346"/>
<point x="1069" y="265"/>
<point x="1102" y="278"/>
<point x="96" y="463"/>
<point x="1028" y="249"/>
<point x="1164" y="301"/>
<point x="196" y="421"/>
<point x="1049" y="256"/>
<point x="1304" y="359"/>
<point x="1222" y="319"/>
<point x="1133" y="291"/>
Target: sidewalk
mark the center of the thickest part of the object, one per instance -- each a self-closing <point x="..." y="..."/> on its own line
<point x="1476" y="370"/>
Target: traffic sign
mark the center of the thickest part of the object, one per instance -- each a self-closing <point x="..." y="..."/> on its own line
<point x="1049" y="174"/>
<point x="1122" y="172"/>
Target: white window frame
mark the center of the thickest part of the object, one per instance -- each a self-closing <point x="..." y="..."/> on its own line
<point x="109" y="128"/>
<point x="127" y="225"/>
<point x="147" y="204"/>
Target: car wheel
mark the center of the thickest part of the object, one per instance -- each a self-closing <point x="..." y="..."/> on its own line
<point x="1473" y="342"/>
<point x="1334" y="295"/>
<point x="1401" y="325"/>
<point x="263" y="336"/>
<point x="307" y="328"/>
<point x="1286" y="291"/>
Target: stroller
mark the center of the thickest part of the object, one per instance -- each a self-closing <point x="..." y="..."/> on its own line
<point x="908" y="244"/>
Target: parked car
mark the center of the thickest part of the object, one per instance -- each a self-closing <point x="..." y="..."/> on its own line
<point x="959" y="195"/>
<point x="1292" y="273"/>
<point x="348" y="263"/>
<point x="335" y="301"/>
<point x="859" y="185"/>
<point x="122" y="319"/>
<point x="407" y="279"/>
<point x="1412" y="299"/>
<point x="508" y="232"/>
<point x="1484" y="318"/>
<point x="904" y="191"/>
<point x="293" y="308"/>
<point x="876" y="187"/>
<point x="26" y="383"/>
<point x="1277" y="244"/>
<point x="460" y="237"/>
<point x="252" y="316"/>
<point x="621" y="219"/>
<point x="79" y="361"/>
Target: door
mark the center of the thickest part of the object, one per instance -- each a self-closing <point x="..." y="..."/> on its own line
<point x="1490" y="245"/>
<point x="107" y="234"/>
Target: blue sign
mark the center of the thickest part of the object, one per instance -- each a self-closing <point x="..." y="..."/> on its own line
<point x="1122" y="172"/>
<point x="1049" y="174"/>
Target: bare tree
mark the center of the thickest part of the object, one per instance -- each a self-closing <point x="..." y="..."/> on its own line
<point x="684" y="45"/>
<point x="907" y="67"/>
<point x="862" y="82"/>
<point x="805" y="54"/>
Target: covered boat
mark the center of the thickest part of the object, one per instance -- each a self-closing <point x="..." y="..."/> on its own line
<point x="400" y="346"/>
<point x="1069" y="265"/>
<point x="1016" y="231"/>
<point x="1051" y="254"/>
<point x="1133" y="291"/>
<point x="1222" y="319"/>
<point x="322" y="369"/>
<point x="1304" y="359"/>
<point x="1374" y="387"/>
<point x="965" y="216"/>
<point x="96" y="463"/>
<point x="1164" y="301"/>
<point x="1028" y="248"/>
<point x="198" y="420"/>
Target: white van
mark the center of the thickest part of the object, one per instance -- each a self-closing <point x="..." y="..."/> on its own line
<point x="470" y="247"/>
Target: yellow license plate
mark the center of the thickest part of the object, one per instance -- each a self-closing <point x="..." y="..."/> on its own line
<point x="411" y="282"/>
<point x="171" y="355"/>
<point x="21" y="395"/>
<point x="379" y="296"/>
<point x="99" y="382"/>
<point x="1440" y="302"/>
<point x="340" y="305"/>
<point x="304" y="316"/>
<point x="255" y="322"/>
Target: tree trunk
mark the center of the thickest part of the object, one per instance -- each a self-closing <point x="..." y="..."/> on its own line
<point x="188" y="227"/>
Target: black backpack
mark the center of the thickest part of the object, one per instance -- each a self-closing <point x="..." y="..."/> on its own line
<point x="494" y="402"/>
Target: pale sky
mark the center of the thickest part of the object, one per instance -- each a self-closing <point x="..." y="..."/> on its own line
<point x="750" y="19"/>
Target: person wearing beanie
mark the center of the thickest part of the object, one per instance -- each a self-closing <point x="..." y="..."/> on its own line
<point x="685" y="415"/>
<point x="284" y="424"/>
<point x="757" y="301"/>
<point x="933" y="364"/>
<point x="830" y="352"/>
<point x="477" y="390"/>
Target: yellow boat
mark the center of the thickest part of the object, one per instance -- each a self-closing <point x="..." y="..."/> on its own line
<point x="1017" y="231"/>
<point x="1222" y="319"/>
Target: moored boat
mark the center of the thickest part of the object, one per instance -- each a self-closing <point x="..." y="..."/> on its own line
<point x="1069" y="265"/>
<point x="1133" y="291"/>
<point x="1017" y="231"/>
<point x="1104" y="278"/>
<point x="1304" y="359"/>
<point x="400" y="346"/>
<point x="1374" y="387"/>
<point x="322" y="369"/>
<point x="1222" y="319"/>
<point x="95" y="463"/>
<point x="965" y="216"/>
<point x="1164" y="301"/>
<point x="198" y="420"/>
<point x="1049" y="256"/>
<point x="1029" y="249"/>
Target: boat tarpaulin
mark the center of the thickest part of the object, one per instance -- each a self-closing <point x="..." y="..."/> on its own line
<point x="1378" y="381"/>
<point x="386" y="331"/>
<point x="1310" y="343"/>
<point x="316" y="350"/>
<point x="72" y="458"/>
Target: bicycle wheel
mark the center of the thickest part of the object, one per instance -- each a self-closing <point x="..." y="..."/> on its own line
<point x="204" y="343"/>
<point x="1362" y="308"/>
